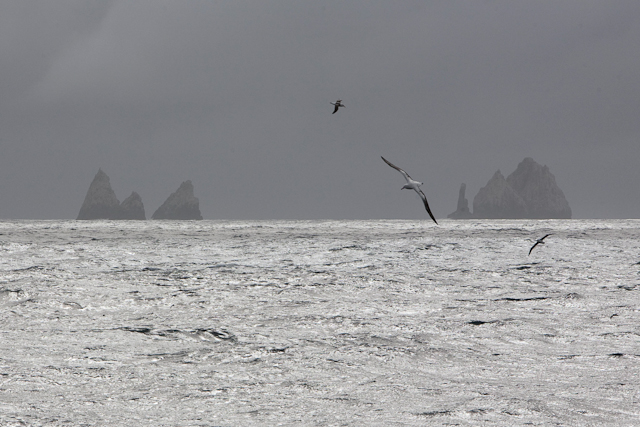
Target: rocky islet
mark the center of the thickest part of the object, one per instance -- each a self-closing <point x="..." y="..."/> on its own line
<point x="101" y="203"/>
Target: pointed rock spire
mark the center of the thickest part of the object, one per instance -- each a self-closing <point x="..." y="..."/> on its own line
<point x="101" y="201"/>
<point x="181" y="204"/>
<point x="132" y="207"/>
<point x="462" y="211"/>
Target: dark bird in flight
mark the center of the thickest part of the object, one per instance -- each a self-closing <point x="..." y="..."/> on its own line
<point x="538" y="242"/>
<point x="338" y="104"/>
<point x="412" y="185"/>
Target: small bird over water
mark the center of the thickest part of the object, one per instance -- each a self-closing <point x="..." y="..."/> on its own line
<point x="413" y="185"/>
<point x="538" y="242"/>
<point x="338" y="104"/>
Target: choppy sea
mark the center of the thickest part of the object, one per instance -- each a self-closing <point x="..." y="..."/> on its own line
<point x="296" y="323"/>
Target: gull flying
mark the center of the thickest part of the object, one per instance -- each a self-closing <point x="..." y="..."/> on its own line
<point x="538" y="242"/>
<point x="338" y="104"/>
<point x="412" y="185"/>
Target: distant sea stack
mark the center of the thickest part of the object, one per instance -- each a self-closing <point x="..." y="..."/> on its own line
<point x="101" y="202"/>
<point x="498" y="200"/>
<point x="180" y="205"/>
<point x="462" y="211"/>
<point x="537" y="187"/>
<point x="529" y="192"/>
<point x="132" y="207"/>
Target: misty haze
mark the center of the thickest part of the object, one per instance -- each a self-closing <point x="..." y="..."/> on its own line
<point x="201" y="224"/>
<point x="237" y="97"/>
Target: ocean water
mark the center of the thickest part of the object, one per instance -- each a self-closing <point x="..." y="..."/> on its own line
<point x="350" y="323"/>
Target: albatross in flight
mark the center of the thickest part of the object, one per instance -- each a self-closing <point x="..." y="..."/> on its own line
<point x="539" y="241"/>
<point x="338" y="104"/>
<point x="412" y="185"/>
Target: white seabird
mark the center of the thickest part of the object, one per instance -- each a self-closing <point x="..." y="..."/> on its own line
<point x="538" y="242"/>
<point x="338" y="104"/>
<point x="412" y="185"/>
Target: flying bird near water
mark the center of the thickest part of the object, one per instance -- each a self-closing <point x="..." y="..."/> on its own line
<point x="338" y="104"/>
<point x="538" y="242"/>
<point x="413" y="185"/>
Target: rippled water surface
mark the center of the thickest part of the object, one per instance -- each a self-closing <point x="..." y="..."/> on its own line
<point x="389" y="323"/>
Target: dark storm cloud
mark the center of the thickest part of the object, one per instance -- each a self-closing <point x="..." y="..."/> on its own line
<point x="236" y="96"/>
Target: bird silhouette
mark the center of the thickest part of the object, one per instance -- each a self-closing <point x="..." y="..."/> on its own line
<point x="413" y="185"/>
<point x="539" y="242"/>
<point x="337" y="104"/>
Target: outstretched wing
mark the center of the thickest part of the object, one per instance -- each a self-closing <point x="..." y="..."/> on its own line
<point x="426" y="204"/>
<point x="337" y="107"/>
<point x="406" y="175"/>
<point x="542" y="238"/>
<point x="534" y="245"/>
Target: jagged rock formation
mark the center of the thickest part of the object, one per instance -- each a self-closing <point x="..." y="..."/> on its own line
<point x="462" y="211"/>
<point x="529" y="192"/>
<point x="537" y="187"/>
<point x="132" y="207"/>
<point x="498" y="200"/>
<point x="180" y="205"/>
<point x="101" y="202"/>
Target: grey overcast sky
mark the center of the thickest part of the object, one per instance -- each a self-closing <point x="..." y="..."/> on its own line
<point x="235" y="95"/>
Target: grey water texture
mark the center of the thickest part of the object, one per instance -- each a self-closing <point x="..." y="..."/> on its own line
<point x="349" y="323"/>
